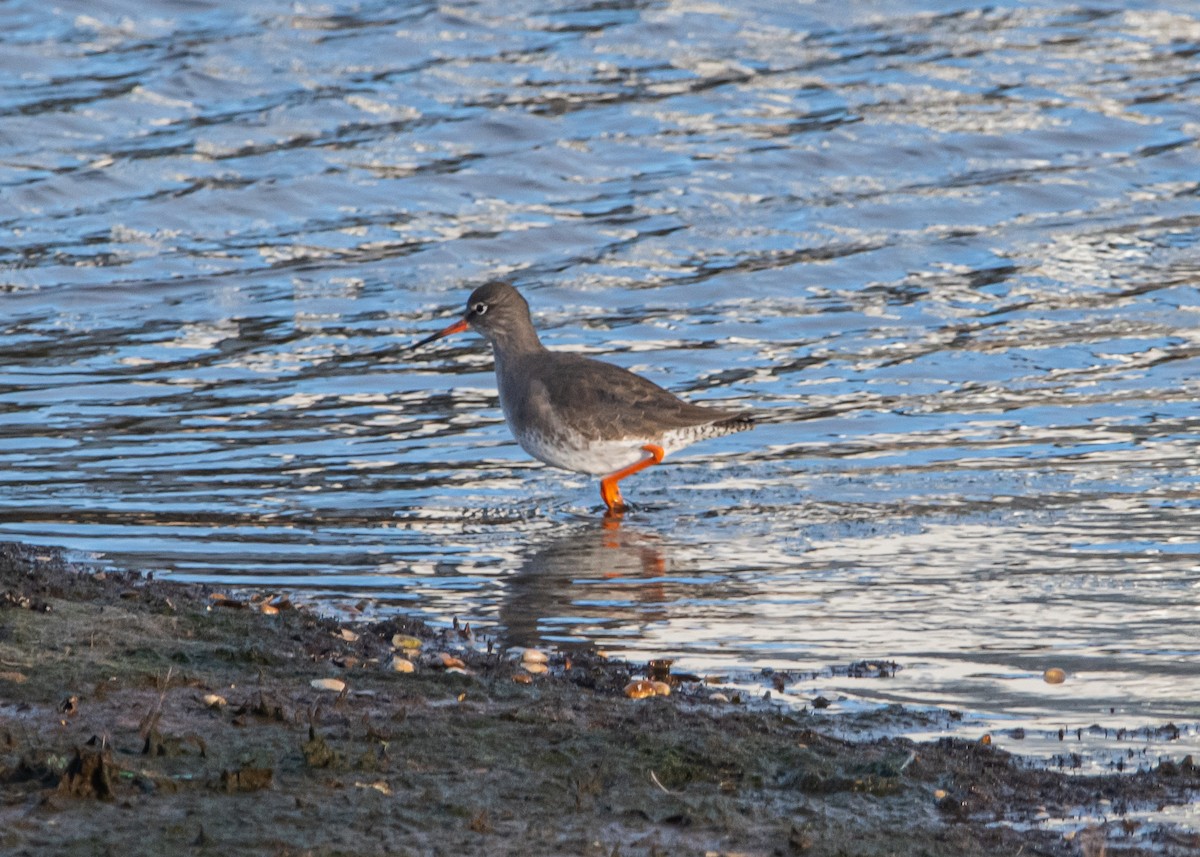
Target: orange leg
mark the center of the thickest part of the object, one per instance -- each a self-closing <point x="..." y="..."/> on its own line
<point x="611" y="494"/>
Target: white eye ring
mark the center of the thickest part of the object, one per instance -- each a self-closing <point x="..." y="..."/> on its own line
<point x="479" y="308"/>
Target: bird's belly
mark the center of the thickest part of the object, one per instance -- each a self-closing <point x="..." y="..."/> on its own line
<point x="597" y="457"/>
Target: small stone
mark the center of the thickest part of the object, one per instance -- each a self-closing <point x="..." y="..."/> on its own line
<point x="661" y="688"/>
<point x="333" y="685"/>
<point x="402" y="665"/>
<point x="404" y="641"/>
<point x="536" y="668"/>
<point x="212" y="700"/>
<point x="247" y="779"/>
<point x="660" y="668"/>
<point x="533" y="656"/>
<point x="1054" y="675"/>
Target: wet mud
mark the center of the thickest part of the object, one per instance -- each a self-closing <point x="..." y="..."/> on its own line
<point x="141" y="716"/>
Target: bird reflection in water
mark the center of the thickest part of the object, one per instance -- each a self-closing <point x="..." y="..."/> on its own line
<point x="601" y="579"/>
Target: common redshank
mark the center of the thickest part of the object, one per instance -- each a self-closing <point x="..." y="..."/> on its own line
<point x="580" y="414"/>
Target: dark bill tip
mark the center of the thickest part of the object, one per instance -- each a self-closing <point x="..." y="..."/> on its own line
<point x="458" y="327"/>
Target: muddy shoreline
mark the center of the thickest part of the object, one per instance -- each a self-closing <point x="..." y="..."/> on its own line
<point x="142" y="716"/>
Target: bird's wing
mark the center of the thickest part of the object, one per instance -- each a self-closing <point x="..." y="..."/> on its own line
<point x="598" y="399"/>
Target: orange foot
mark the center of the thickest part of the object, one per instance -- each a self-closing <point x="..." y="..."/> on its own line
<point x="611" y="494"/>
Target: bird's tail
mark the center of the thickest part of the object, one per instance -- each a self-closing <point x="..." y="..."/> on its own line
<point x="737" y="422"/>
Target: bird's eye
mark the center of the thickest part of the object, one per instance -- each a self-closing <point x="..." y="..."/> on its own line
<point x="479" y="308"/>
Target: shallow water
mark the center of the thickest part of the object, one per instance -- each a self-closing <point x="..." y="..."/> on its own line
<point x="949" y="252"/>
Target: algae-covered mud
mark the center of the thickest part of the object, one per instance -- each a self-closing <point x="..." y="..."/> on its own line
<point x="139" y="716"/>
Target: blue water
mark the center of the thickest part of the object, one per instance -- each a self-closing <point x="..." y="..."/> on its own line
<point x="948" y="250"/>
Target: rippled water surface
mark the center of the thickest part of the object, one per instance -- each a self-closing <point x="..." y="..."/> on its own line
<point x="948" y="250"/>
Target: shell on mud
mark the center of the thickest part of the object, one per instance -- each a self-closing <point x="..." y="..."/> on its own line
<point x="533" y="656"/>
<point x="333" y="685"/>
<point x="640" y="689"/>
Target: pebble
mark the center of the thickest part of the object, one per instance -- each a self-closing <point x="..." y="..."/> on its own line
<point x="533" y="656"/>
<point x="1054" y="676"/>
<point x="404" y="641"/>
<point x="333" y="685"/>
<point x="402" y="665"/>
<point x="535" y="668"/>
